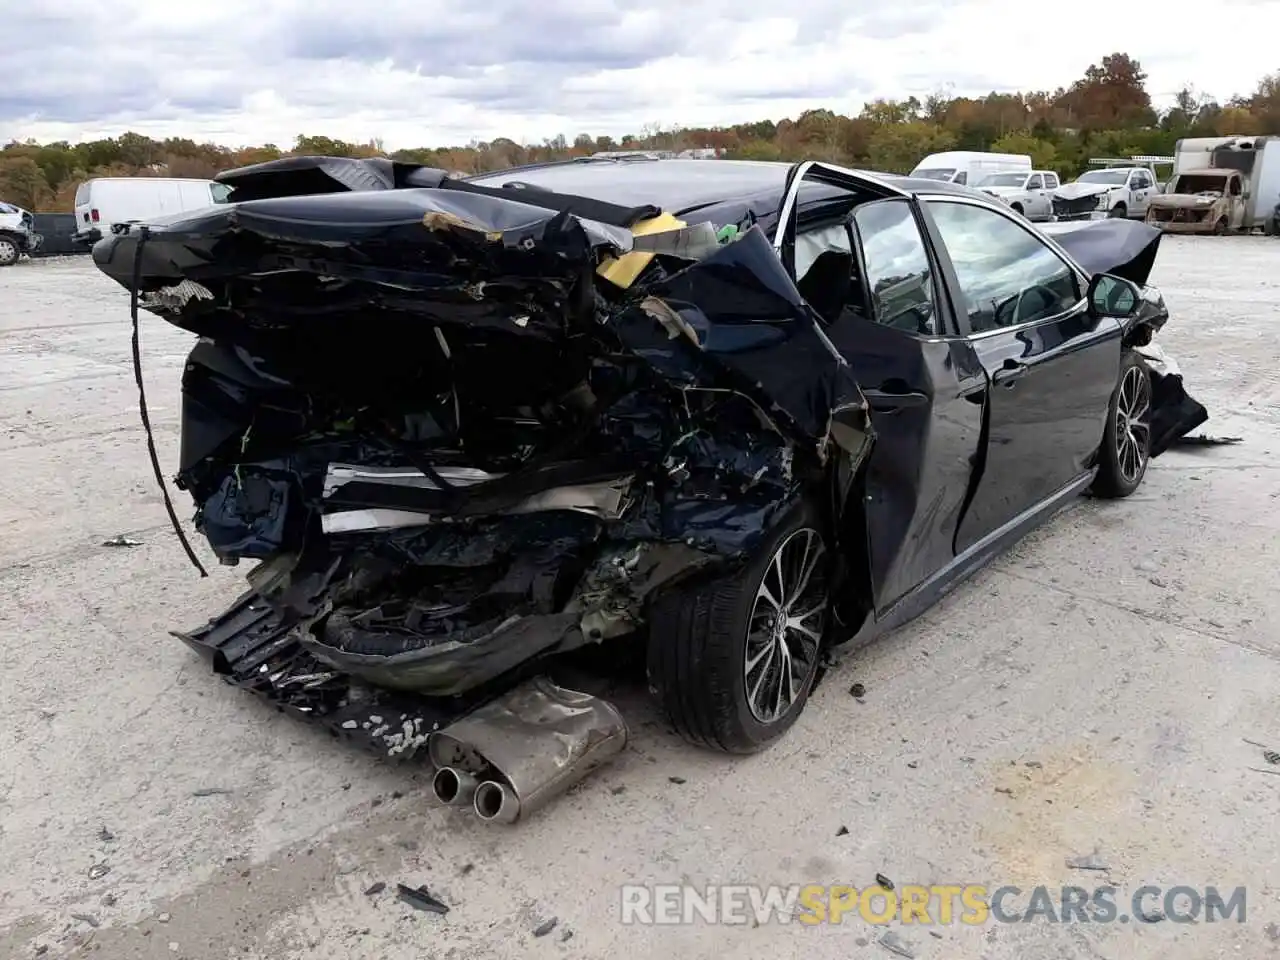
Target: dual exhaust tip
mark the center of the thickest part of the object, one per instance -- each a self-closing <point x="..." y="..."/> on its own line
<point x="519" y="751"/>
<point x="491" y="801"/>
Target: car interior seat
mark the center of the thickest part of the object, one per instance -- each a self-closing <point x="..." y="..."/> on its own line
<point x="828" y="283"/>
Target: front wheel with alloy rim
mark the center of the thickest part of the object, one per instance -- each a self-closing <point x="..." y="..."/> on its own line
<point x="9" y="251"/>
<point x="732" y="661"/>
<point x="1126" y="441"/>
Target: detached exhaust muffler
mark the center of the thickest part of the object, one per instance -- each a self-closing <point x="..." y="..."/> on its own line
<point x="531" y="744"/>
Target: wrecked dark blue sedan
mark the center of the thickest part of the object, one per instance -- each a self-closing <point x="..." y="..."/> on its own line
<point x="730" y="414"/>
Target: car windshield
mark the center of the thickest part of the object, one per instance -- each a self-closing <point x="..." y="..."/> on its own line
<point x="1104" y="176"/>
<point x="7" y="207"/>
<point x="1003" y="180"/>
<point x="1199" y="183"/>
<point x="935" y="173"/>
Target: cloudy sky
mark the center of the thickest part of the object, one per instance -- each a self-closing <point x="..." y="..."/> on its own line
<point x="439" y="72"/>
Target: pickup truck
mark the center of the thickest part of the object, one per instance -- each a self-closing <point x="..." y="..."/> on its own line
<point x="1112" y="192"/>
<point x="17" y="234"/>
<point x="1030" y="193"/>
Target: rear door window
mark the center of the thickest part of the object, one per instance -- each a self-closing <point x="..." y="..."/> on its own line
<point x="1035" y="182"/>
<point x="1051" y="181"/>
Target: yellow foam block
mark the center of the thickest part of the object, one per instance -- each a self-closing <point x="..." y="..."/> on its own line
<point x="622" y="271"/>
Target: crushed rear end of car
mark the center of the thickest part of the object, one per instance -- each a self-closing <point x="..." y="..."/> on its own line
<point x="466" y="430"/>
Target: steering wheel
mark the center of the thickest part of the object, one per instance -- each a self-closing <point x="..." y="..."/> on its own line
<point x="1011" y="312"/>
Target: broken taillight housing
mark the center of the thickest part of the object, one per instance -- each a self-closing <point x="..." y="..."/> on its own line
<point x="93" y="214"/>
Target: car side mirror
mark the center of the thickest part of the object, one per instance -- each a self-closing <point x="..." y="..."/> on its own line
<point x="1112" y="296"/>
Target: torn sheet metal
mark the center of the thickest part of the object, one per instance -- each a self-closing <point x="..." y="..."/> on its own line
<point x="1174" y="413"/>
<point x="739" y="311"/>
<point x="1126" y="248"/>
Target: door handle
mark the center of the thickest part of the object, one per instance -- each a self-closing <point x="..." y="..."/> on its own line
<point x="893" y="400"/>
<point x="1012" y="371"/>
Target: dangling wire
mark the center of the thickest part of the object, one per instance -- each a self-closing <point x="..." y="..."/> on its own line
<point x="143" y="235"/>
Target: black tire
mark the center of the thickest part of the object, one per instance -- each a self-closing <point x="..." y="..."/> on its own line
<point x="10" y="250"/>
<point x="1220" y="228"/>
<point x="698" y="643"/>
<point x="1269" y="226"/>
<point x="1118" y="212"/>
<point x="1119" y="471"/>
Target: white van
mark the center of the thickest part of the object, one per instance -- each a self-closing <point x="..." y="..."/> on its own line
<point x="969" y="166"/>
<point x="105" y="201"/>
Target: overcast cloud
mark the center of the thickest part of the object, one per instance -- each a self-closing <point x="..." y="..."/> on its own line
<point x="440" y="72"/>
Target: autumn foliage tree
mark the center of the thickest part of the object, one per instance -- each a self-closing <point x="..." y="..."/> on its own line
<point x="1106" y="112"/>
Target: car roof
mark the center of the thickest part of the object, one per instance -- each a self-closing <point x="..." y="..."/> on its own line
<point x="681" y="186"/>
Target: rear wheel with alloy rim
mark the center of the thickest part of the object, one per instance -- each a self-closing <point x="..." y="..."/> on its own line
<point x="733" y="661"/>
<point x="9" y="251"/>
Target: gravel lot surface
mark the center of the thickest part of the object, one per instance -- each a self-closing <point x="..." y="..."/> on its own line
<point x="1091" y="690"/>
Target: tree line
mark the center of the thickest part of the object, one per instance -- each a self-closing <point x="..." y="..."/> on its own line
<point x="1107" y="112"/>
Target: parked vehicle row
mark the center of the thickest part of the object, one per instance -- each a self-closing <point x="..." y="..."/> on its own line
<point x="1218" y="185"/>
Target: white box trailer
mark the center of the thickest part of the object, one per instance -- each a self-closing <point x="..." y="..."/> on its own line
<point x="1256" y="158"/>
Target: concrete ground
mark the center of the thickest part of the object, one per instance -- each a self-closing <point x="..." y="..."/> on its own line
<point x="1092" y="691"/>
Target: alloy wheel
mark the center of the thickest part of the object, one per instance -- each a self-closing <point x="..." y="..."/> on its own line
<point x="1133" y="433"/>
<point x="8" y="251"/>
<point x="785" y="627"/>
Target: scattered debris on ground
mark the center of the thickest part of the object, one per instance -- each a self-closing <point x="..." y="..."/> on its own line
<point x="858" y="691"/>
<point x="883" y="881"/>
<point x="105" y="835"/>
<point x="88" y="918"/>
<point x="1090" y="861"/>
<point x="546" y="927"/>
<point x="122" y="541"/>
<point x="895" y="944"/>
<point x="420" y="899"/>
<point x="211" y="791"/>
<point x="1204" y="440"/>
<point x="375" y="889"/>
<point x="677" y="780"/>
<point x="842" y="832"/>
<point x="99" y="870"/>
